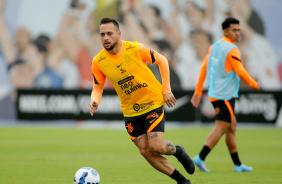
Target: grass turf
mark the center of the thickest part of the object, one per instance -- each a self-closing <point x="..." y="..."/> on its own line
<point x="53" y="155"/>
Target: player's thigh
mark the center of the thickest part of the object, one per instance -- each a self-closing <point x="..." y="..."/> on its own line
<point x="152" y="121"/>
<point x="155" y="122"/>
<point x="224" y="110"/>
<point x="142" y="142"/>
<point x="221" y="126"/>
<point x="156" y="143"/>
<point x="155" y="125"/>
<point x="135" y="127"/>
<point x="233" y="125"/>
<point x="156" y="140"/>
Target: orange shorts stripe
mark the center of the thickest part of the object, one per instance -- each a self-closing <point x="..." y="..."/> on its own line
<point x="131" y="137"/>
<point x="230" y="109"/>
<point x="156" y="122"/>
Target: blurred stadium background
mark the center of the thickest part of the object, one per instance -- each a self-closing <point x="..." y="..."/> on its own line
<point x="46" y="49"/>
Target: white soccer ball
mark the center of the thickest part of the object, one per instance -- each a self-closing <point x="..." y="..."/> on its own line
<point x="86" y="175"/>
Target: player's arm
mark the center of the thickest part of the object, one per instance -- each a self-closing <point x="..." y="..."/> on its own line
<point x="162" y="62"/>
<point x="235" y="61"/>
<point x="98" y="87"/>
<point x="151" y="56"/>
<point x="195" y="100"/>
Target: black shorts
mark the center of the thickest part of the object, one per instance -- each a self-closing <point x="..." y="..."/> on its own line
<point x="152" y="121"/>
<point x="224" y="110"/>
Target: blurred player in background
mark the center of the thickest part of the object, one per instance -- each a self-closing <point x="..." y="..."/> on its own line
<point x="223" y="69"/>
<point x="141" y="96"/>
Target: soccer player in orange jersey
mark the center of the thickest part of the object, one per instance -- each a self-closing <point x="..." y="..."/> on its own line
<point x="223" y="69"/>
<point x="141" y="96"/>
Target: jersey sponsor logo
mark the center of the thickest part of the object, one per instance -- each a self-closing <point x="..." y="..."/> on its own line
<point x="130" y="47"/>
<point x="101" y="58"/>
<point x="129" y="127"/>
<point x="136" y="107"/>
<point x="125" y="80"/>
<point x="142" y="106"/>
<point x="130" y="87"/>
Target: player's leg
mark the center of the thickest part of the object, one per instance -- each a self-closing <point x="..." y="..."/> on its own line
<point x="152" y="153"/>
<point x="212" y="139"/>
<point x="222" y="123"/>
<point x="220" y="129"/>
<point x="155" y="125"/>
<point x="224" y="118"/>
<point x="230" y="140"/>
<point x="137" y="129"/>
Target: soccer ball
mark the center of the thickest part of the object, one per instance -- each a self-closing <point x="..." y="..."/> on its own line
<point x="86" y="175"/>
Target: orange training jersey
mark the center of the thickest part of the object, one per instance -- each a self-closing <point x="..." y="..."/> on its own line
<point x="136" y="86"/>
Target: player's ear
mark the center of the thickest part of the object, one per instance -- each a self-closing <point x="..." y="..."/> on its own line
<point x="119" y="33"/>
<point x="225" y="31"/>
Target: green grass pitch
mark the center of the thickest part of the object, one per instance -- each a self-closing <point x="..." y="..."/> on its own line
<point x="53" y="155"/>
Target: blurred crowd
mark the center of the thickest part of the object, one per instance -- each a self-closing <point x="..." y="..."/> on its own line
<point x="183" y="37"/>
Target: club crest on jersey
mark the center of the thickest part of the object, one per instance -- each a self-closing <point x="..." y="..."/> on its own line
<point x="122" y="70"/>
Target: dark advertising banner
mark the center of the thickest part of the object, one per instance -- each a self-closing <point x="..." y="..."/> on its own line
<point x="254" y="107"/>
<point x="65" y="104"/>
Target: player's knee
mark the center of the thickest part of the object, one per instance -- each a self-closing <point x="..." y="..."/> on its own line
<point x="224" y="131"/>
<point x="232" y="129"/>
<point x="145" y="152"/>
<point x="158" y="148"/>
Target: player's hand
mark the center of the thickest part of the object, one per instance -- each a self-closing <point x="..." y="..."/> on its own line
<point x="93" y="106"/>
<point x="258" y="87"/>
<point x="169" y="99"/>
<point x="196" y="100"/>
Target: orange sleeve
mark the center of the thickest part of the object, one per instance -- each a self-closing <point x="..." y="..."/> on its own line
<point x="99" y="80"/>
<point x="202" y="76"/>
<point x="152" y="56"/>
<point x="162" y="62"/>
<point x="146" y="53"/>
<point x="234" y="62"/>
<point x="98" y="75"/>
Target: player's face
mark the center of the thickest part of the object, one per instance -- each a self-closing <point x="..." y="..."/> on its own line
<point x="233" y="32"/>
<point x="109" y="36"/>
